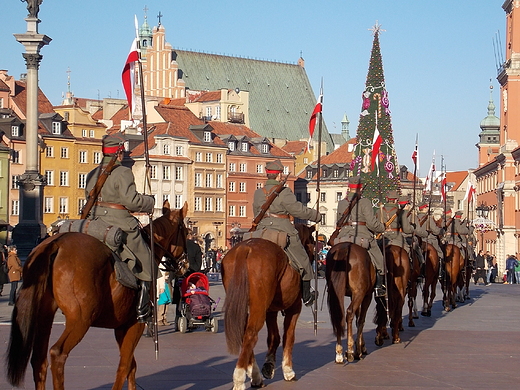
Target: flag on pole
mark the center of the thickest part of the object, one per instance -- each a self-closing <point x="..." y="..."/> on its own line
<point x="415" y="154"/>
<point x="443" y="187"/>
<point x="377" y="140"/>
<point x="128" y="76"/>
<point x="470" y="192"/>
<point x="312" y="121"/>
<point x="430" y="177"/>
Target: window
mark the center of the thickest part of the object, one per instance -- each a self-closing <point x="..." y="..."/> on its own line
<point x="207" y="136"/>
<point x="84" y="133"/>
<point x="15" y="131"/>
<point x="231" y="186"/>
<point x="98" y="156"/>
<point x="14" y="181"/>
<point x="166" y="149"/>
<point x="242" y="211"/>
<point x="166" y="172"/>
<point x="64" y="178"/>
<point x="165" y="197"/>
<point x="82" y="180"/>
<point x="209" y="180"/>
<point x="242" y="167"/>
<point x="339" y="196"/>
<point x="198" y="179"/>
<point x="218" y="204"/>
<point x="323" y="219"/>
<point x="92" y="134"/>
<point x="264" y="148"/>
<point x="64" y="205"/>
<point x="217" y="113"/>
<point x="178" y="175"/>
<point x="198" y="203"/>
<point x="209" y="157"/>
<point x="245" y="147"/>
<point x="178" y="201"/>
<point x="231" y="145"/>
<point x="83" y="157"/>
<point x="232" y="167"/>
<point x="56" y="127"/>
<point x="47" y="205"/>
<point x="153" y="171"/>
<point x="242" y="187"/>
<point x="208" y="112"/>
<point x="198" y="156"/>
<point x="232" y="211"/>
<point x="309" y="174"/>
<point x="324" y="173"/>
<point x="219" y="184"/>
<point x="15" y="207"/>
<point x="259" y="168"/>
<point x="64" y="153"/>
<point x="323" y="196"/>
<point x="49" y="177"/>
<point x="335" y="173"/>
<point x="16" y="157"/>
<point x="179" y="151"/>
<point x="49" y="151"/>
<point x="285" y="170"/>
<point x="208" y="204"/>
<point x="259" y="185"/>
<point x="306" y="160"/>
<point x="81" y="204"/>
<point x="220" y="158"/>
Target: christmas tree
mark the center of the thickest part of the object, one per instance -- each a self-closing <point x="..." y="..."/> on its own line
<point x="374" y="156"/>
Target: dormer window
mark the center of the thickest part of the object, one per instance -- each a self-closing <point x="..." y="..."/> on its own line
<point x="56" y="127"/>
<point x="166" y="149"/>
<point x="265" y="148"/>
<point x="15" y="131"/>
<point x="231" y="145"/>
<point x="309" y="174"/>
<point x="207" y="136"/>
<point x="245" y="147"/>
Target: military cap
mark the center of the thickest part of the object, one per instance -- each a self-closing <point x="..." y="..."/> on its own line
<point x="275" y="166"/>
<point x="448" y="212"/>
<point x="354" y="182"/>
<point x="113" y="143"/>
<point x="392" y="195"/>
<point x="403" y="200"/>
<point x="423" y="208"/>
<point x="458" y="214"/>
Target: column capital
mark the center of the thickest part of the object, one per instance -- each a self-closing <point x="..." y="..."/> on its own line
<point x="32" y="61"/>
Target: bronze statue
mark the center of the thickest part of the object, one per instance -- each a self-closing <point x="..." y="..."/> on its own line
<point x="33" y="6"/>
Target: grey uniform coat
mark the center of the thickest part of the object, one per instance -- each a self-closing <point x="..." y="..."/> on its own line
<point x="401" y="224"/>
<point x="286" y="204"/>
<point x="120" y="188"/>
<point x="433" y="233"/>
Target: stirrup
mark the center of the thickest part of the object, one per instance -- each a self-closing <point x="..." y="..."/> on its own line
<point x="312" y="298"/>
<point x="380" y="291"/>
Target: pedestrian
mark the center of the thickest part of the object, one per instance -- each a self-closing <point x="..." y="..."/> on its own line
<point x="164" y="298"/>
<point x="489" y="265"/>
<point x="511" y="264"/>
<point x="14" y="266"/>
<point x="494" y="270"/>
<point x="517" y="270"/>
<point x="4" y="278"/>
<point x="480" y="271"/>
<point x="194" y="253"/>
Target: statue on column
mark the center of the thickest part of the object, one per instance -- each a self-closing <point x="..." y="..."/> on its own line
<point x="33" y="6"/>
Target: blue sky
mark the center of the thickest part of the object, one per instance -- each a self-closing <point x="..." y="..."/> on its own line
<point x="438" y="56"/>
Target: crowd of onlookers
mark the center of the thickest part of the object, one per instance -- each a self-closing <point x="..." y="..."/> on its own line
<point x="486" y="268"/>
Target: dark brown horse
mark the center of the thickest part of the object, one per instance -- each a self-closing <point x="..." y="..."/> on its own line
<point x="453" y="262"/>
<point x="260" y="282"/>
<point x="349" y="272"/>
<point x="398" y="275"/>
<point x="74" y="272"/>
<point x="464" y="278"/>
<point x="415" y="273"/>
<point x="431" y="275"/>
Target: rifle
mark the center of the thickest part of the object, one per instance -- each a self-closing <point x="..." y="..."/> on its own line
<point x="344" y="216"/>
<point x="423" y="220"/>
<point x="388" y="223"/>
<point x="270" y="199"/>
<point x="96" y="190"/>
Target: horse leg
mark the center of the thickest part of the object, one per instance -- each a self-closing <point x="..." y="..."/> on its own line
<point x="411" y="323"/>
<point x="361" y="349"/>
<point x="273" y="341"/>
<point x="39" y="360"/>
<point x="289" y="335"/>
<point x="353" y="309"/>
<point x="127" y="339"/>
<point x="381" y="320"/>
<point x="71" y="336"/>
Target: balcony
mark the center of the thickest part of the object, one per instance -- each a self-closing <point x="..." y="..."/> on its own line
<point x="236" y="117"/>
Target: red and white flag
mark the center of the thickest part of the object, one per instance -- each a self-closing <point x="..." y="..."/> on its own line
<point x="470" y="192"/>
<point x="443" y="187"/>
<point x="314" y="118"/>
<point x="415" y="155"/>
<point x="128" y="77"/>
<point x="376" y="145"/>
<point x="431" y="176"/>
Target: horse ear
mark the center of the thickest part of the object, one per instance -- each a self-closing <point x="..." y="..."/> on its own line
<point x="184" y="210"/>
<point x="166" y="207"/>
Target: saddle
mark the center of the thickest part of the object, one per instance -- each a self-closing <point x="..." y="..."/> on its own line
<point x="360" y="241"/>
<point x="279" y="238"/>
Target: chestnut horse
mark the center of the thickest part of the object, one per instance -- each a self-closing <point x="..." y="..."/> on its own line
<point x="260" y="282"/>
<point x="74" y="272"/>
<point x="398" y="275"/>
<point x="415" y="273"/>
<point x="349" y="272"/>
<point x="431" y="275"/>
<point x="453" y="263"/>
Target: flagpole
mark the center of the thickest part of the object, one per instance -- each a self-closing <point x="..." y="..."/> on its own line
<point x="153" y="286"/>
<point x="316" y="253"/>
<point x="414" y="177"/>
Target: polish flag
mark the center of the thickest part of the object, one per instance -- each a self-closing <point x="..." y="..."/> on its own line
<point x="128" y="76"/>
<point x="312" y="121"/>
<point x="470" y="192"/>
<point x="431" y="176"/>
<point x="376" y="145"/>
<point x="415" y="154"/>
<point x="443" y="188"/>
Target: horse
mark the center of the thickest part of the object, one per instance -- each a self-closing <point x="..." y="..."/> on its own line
<point x="349" y="272"/>
<point x="74" y="272"/>
<point x="260" y="282"/>
<point x="411" y="290"/>
<point x="398" y="274"/>
<point x="453" y="261"/>
<point x="464" y="278"/>
<point x="431" y="275"/>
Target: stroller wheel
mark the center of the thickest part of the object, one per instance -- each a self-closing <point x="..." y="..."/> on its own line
<point x="183" y="324"/>
<point x="214" y="325"/>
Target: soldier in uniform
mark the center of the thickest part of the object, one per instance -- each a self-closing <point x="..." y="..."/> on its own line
<point x="117" y="200"/>
<point x="361" y="225"/>
<point x="418" y="230"/>
<point x="457" y="231"/>
<point x="431" y="228"/>
<point x="399" y="225"/>
<point x="278" y="216"/>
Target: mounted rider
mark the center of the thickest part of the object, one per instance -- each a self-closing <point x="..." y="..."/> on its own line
<point x="418" y="230"/>
<point x="397" y="222"/>
<point x="117" y="200"/>
<point x="428" y="223"/>
<point x="456" y="232"/>
<point x="360" y="228"/>
<point x="278" y="218"/>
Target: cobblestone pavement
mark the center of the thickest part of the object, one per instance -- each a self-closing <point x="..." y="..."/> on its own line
<point x="474" y="347"/>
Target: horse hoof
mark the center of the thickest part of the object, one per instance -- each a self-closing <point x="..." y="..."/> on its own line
<point x="411" y="324"/>
<point x="424" y="313"/>
<point x="415" y="316"/>
<point x="257" y="386"/>
<point x="293" y="379"/>
<point x="350" y="357"/>
<point x="429" y="314"/>
<point x="396" y="341"/>
<point x="268" y="371"/>
<point x="339" y="359"/>
<point x="379" y="341"/>
<point x="401" y="329"/>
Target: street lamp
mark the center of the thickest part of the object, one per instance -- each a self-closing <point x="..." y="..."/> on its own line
<point x="236" y="236"/>
<point x="217" y="224"/>
<point x="482" y="224"/>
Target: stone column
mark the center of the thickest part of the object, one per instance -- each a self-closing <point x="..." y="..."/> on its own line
<point x="30" y="229"/>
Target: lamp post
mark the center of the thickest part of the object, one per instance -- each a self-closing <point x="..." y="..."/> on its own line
<point x="217" y="224"/>
<point x="236" y="235"/>
<point x="482" y="224"/>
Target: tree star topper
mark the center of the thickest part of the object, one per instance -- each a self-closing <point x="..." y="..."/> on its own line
<point x="377" y="28"/>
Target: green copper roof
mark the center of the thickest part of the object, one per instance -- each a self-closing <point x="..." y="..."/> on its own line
<point x="281" y="99"/>
<point x="490" y="122"/>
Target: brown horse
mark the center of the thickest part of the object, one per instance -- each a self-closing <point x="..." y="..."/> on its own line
<point x="431" y="275"/>
<point x="453" y="262"/>
<point x="260" y="282"/>
<point x="74" y="272"/>
<point x="464" y="277"/>
<point x="398" y="274"/>
<point x="349" y="272"/>
<point x="415" y="273"/>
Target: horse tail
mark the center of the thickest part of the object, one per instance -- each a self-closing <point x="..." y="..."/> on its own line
<point x="237" y="301"/>
<point x="336" y="271"/>
<point x="24" y="322"/>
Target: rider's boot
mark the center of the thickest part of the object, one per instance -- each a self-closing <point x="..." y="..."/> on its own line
<point x="380" y="288"/>
<point x="308" y="296"/>
<point x="144" y="308"/>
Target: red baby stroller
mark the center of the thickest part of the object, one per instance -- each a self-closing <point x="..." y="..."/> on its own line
<point x="196" y="304"/>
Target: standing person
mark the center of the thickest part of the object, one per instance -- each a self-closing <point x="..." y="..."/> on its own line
<point x="4" y="278"/>
<point x="489" y="264"/>
<point x="511" y="264"/>
<point x="494" y="270"/>
<point x="14" y="265"/>
<point x="194" y="253"/>
<point x="517" y="270"/>
<point x="480" y="271"/>
<point x="278" y="217"/>
<point x="117" y="200"/>
<point x="164" y="298"/>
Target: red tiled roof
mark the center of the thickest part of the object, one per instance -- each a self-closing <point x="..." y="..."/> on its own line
<point x="341" y="154"/>
<point x="210" y="96"/>
<point x="456" y="177"/>
<point x="20" y="99"/>
<point x="4" y="87"/>
<point x="295" y="147"/>
<point x="179" y="102"/>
